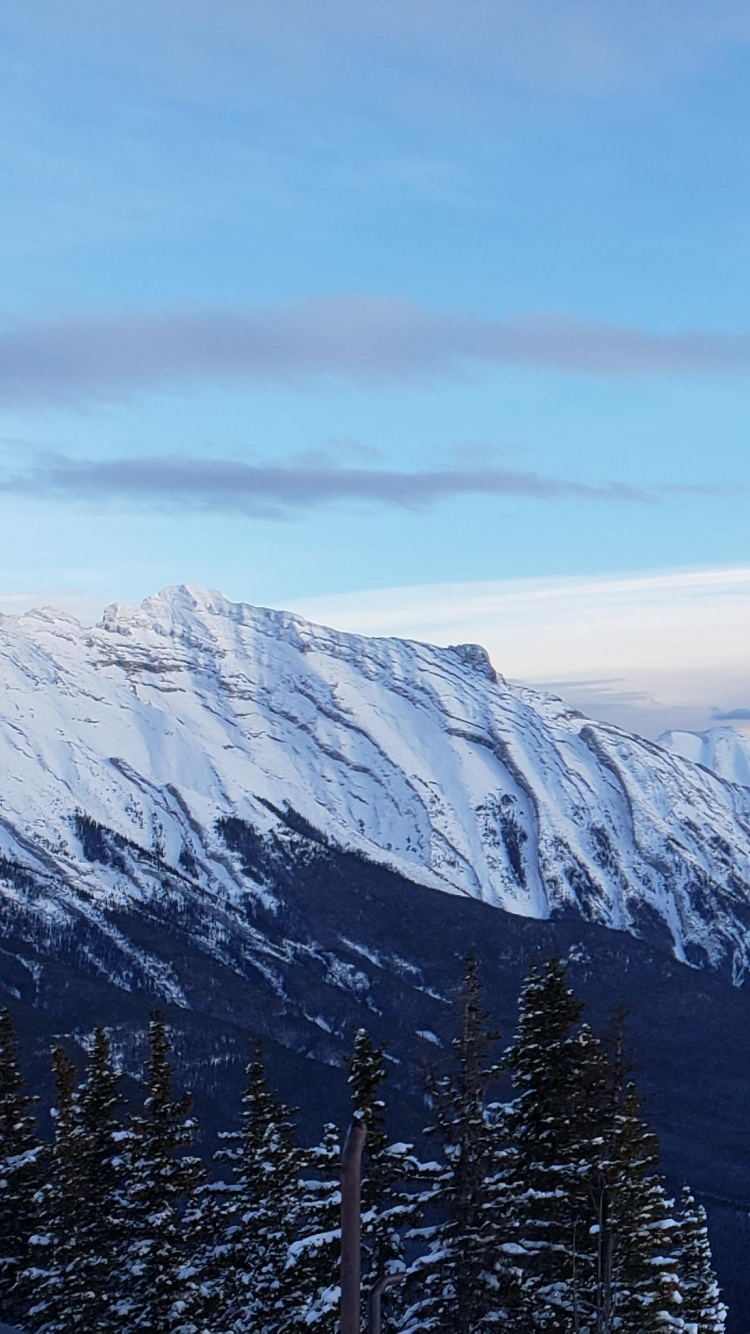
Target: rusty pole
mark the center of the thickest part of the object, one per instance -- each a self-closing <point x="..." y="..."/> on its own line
<point x="351" y="1224"/>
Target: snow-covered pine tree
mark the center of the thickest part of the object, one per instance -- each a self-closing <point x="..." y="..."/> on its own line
<point x="593" y="1225"/>
<point x="622" y="1266"/>
<point x="79" y="1225"/>
<point x="644" y="1279"/>
<point x="386" y="1207"/>
<point x="587" y="1176"/>
<point x="261" y="1288"/>
<point x="102" y="1143"/>
<point x="703" y="1311"/>
<point x="465" y="1284"/>
<point x="599" y="1288"/>
<point x="316" y="1253"/>
<point x="152" y="1297"/>
<point x="636" y="1288"/>
<point x="59" y="1202"/>
<point x="20" y="1174"/>
<point x="207" y="1253"/>
<point x="547" y="1126"/>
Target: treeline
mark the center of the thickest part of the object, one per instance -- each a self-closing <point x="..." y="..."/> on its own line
<point x="541" y="1215"/>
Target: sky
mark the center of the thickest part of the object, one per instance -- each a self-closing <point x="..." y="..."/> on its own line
<point x="425" y="318"/>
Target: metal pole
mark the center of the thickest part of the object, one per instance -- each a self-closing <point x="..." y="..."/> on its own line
<point x="351" y="1224"/>
<point x="376" y="1295"/>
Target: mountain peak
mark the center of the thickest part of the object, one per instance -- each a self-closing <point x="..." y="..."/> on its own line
<point x="178" y="599"/>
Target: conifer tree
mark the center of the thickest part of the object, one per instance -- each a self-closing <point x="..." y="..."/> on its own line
<point x="550" y="1232"/>
<point x="384" y="1207"/>
<point x="152" y="1297"/>
<point x="703" y="1311"/>
<point x="79" y="1228"/>
<point x="593" y="1225"/>
<point x="207" y="1253"/>
<point x="20" y="1173"/>
<point x="467" y="1283"/>
<point x="645" y="1283"/>
<point x="59" y="1205"/>
<point x="262" y="1293"/>
<point x="102" y="1144"/>
<point x="589" y="1174"/>
<point x="317" y="1251"/>
<point x="632" y="1284"/>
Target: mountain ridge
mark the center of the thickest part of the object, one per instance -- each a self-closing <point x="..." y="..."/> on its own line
<point x="169" y="716"/>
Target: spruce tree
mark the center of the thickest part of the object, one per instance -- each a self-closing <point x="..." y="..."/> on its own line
<point x="593" y="1227"/>
<point x="587" y="1178"/>
<point x="21" y="1158"/>
<point x="317" y="1251"/>
<point x="207" y="1253"/>
<point x="152" y="1296"/>
<point x="550" y="1226"/>
<point x="703" y="1311"/>
<point x="262" y="1292"/>
<point x="646" y="1293"/>
<point x="390" y="1201"/>
<point x="102" y="1144"/>
<point x="637" y="1285"/>
<point x="465" y="1284"/>
<point x="59" y="1205"/>
<point x="385" y="1207"/>
<point x="78" y="1207"/>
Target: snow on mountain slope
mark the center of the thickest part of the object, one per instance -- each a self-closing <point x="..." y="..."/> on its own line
<point x="124" y="747"/>
<point x="722" y="749"/>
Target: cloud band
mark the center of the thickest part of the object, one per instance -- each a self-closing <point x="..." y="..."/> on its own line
<point x="273" y="490"/>
<point x="369" y="341"/>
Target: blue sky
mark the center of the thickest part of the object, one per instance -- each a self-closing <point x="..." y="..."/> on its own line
<point x="307" y="302"/>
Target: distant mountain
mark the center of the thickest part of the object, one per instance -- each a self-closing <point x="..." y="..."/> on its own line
<point x="724" y="750"/>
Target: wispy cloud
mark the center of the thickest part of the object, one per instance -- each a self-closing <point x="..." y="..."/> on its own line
<point x="365" y="340"/>
<point x="272" y="490"/>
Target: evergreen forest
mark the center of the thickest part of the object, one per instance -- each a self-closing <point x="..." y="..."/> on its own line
<point x="531" y="1204"/>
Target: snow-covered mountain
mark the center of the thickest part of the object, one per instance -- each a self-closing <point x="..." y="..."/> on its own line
<point x="183" y="746"/>
<point x="724" y="750"/>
